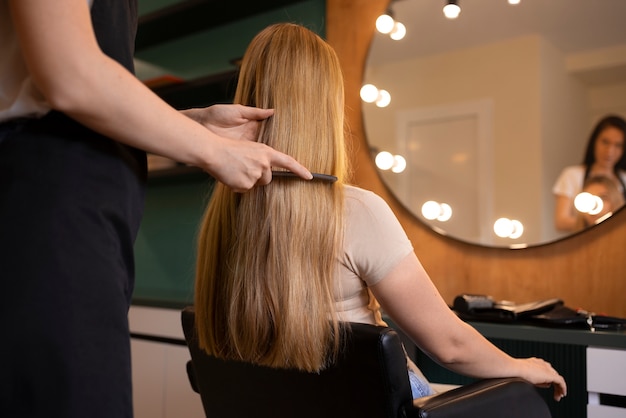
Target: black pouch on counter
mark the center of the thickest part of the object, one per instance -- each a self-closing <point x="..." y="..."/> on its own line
<point x="548" y="312"/>
<point x="484" y="308"/>
<point x="564" y="317"/>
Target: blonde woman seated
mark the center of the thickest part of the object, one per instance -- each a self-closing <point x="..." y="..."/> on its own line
<point x="276" y="263"/>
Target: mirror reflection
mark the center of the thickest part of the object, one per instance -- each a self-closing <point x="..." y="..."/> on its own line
<point x="473" y="119"/>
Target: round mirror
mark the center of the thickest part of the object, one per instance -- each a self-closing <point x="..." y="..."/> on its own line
<point x="485" y="110"/>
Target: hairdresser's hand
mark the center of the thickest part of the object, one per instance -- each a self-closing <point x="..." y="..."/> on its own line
<point x="541" y="373"/>
<point x="242" y="165"/>
<point x="230" y="121"/>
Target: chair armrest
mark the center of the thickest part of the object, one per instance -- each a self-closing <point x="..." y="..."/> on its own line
<point x="489" y="398"/>
<point x="191" y="374"/>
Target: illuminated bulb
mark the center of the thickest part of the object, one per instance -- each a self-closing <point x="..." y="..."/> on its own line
<point x="369" y="93"/>
<point x="508" y="228"/>
<point x="518" y="229"/>
<point x="451" y="10"/>
<point x="513" y="2"/>
<point x="399" y="164"/>
<point x="445" y="212"/>
<point x="384" y="23"/>
<point x="383" y="99"/>
<point x="431" y="210"/>
<point x="384" y="160"/>
<point x="398" y="32"/>
<point x="503" y="227"/>
<point x="598" y="205"/>
<point x="584" y="202"/>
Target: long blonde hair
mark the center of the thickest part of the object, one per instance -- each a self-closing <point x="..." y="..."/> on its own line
<point x="267" y="259"/>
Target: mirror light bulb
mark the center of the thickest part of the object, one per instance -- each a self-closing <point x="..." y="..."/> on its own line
<point x="587" y="203"/>
<point x="518" y="229"/>
<point x="508" y="228"/>
<point x="383" y="99"/>
<point x="384" y="160"/>
<point x="514" y="2"/>
<point x="451" y="11"/>
<point x="445" y="212"/>
<point x="598" y="205"/>
<point x="399" y="164"/>
<point x="369" y="93"/>
<point x="398" y="32"/>
<point x="430" y="210"/>
<point x="384" y="23"/>
<point x="503" y="227"/>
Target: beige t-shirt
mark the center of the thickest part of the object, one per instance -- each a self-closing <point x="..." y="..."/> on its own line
<point x="374" y="243"/>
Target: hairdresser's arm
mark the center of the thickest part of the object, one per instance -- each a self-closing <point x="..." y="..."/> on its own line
<point x="76" y="78"/>
<point x="565" y="219"/>
<point x="410" y="298"/>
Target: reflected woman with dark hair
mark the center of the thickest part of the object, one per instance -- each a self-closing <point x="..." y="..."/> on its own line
<point x="604" y="156"/>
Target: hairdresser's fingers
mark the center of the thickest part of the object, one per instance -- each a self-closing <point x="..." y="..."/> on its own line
<point x="242" y="165"/>
<point x="278" y="159"/>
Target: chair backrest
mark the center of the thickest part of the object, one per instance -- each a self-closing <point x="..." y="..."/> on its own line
<point x="370" y="379"/>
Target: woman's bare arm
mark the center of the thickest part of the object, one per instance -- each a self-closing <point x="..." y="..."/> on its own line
<point x="565" y="219"/>
<point x="410" y="298"/>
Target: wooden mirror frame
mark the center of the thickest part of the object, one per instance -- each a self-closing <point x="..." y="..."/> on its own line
<point x="587" y="270"/>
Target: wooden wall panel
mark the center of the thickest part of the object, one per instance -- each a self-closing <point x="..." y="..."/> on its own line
<point x="587" y="270"/>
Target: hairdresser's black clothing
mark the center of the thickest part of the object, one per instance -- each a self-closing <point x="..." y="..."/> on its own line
<point x="70" y="206"/>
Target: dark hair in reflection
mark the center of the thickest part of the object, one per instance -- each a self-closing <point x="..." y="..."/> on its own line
<point x="610" y="121"/>
<point x="606" y="122"/>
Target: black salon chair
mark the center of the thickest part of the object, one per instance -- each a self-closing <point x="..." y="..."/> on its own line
<point x="369" y="380"/>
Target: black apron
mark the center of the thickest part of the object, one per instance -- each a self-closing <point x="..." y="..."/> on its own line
<point x="71" y="202"/>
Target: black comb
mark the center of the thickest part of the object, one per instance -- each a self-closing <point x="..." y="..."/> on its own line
<point x="316" y="176"/>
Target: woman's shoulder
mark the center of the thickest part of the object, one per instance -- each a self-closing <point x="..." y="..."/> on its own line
<point x="355" y="191"/>
<point x="577" y="169"/>
<point x="366" y="206"/>
<point x="356" y="196"/>
<point x="575" y="173"/>
<point x="570" y="181"/>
